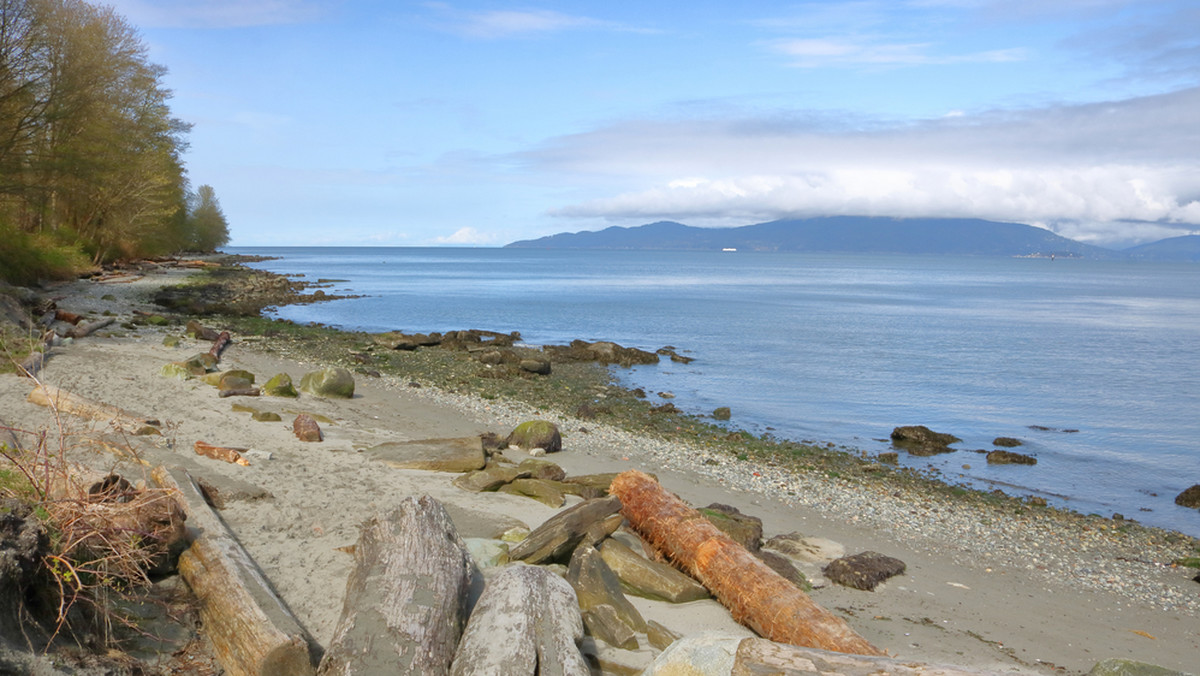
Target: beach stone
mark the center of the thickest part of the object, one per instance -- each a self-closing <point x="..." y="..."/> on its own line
<point x="889" y="458"/>
<point x="332" y="382"/>
<point x="596" y="482"/>
<point x="545" y="492"/>
<point x="786" y="569"/>
<point x="462" y="454"/>
<point x="486" y="552"/>
<point x="539" y="366"/>
<point x="722" y="413"/>
<point x="541" y="434"/>
<point x="659" y="636"/>
<point x="198" y="331"/>
<point x="603" y="622"/>
<point x="306" y="429"/>
<point x="176" y="370"/>
<point x="280" y="385"/>
<point x="170" y="341"/>
<point x="1010" y="458"/>
<point x="703" y="654"/>
<point x="1007" y="442"/>
<point x="922" y="441"/>
<point x="1123" y="667"/>
<point x="864" y="571"/>
<point x="806" y="549"/>
<point x="536" y="468"/>
<point x="744" y="529"/>
<point x="1189" y="498"/>
<point x="558" y="536"/>
<point x="596" y="584"/>
<point x="650" y="579"/>
<point x="266" y="416"/>
<point x="488" y="479"/>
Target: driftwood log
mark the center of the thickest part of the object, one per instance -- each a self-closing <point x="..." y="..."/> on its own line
<point x="759" y="657"/>
<point x="219" y="345"/>
<point x="85" y="328"/>
<point x="527" y="622"/>
<point x="226" y="453"/>
<point x="252" y="632"/>
<point x="755" y="595"/>
<point x="406" y="597"/>
<point x="66" y="402"/>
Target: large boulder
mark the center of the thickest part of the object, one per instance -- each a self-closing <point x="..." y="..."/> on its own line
<point x="920" y="440"/>
<point x="533" y="434"/>
<point x="443" y="455"/>
<point x="332" y="382"/>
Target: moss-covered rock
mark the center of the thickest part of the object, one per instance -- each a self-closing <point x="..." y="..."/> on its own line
<point x="280" y="385"/>
<point x="331" y="382"/>
<point x="532" y="434"/>
<point x="176" y="370"/>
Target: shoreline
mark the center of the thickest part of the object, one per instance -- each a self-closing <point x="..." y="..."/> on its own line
<point x="969" y="554"/>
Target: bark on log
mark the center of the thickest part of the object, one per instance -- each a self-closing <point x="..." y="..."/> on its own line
<point x="759" y="657"/>
<point x="68" y="317"/>
<point x="63" y="401"/>
<point x="527" y="622"/>
<point x="219" y="345"/>
<point x="240" y="392"/>
<point x="233" y="455"/>
<point x="405" y="603"/>
<point x="755" y="595"/>
<point x="251" y="631"/>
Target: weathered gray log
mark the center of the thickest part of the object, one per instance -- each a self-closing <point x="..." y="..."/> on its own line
<point x="760" y="657"/>
<point x="405" y="603"/>
<point x="66" y="402"/>
<point x="251" y="631"/>
<point x="33" y="363"/>
<point x="558" y="536"/>
<point x="525" y="623"/>
<point x="83" y="329"/>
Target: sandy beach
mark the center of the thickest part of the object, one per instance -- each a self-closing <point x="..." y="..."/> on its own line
<point x="1001" y="589"/>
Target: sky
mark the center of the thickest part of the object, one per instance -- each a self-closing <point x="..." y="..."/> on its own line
<point x="386" y="122"/>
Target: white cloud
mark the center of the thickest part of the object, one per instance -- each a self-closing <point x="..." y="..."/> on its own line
<point x="467" y="236"/>
<point x="1093" y="169"/>
<point x="219" y="13"/>
<point x="827" y="52"/>
<point x="498" y="24"/>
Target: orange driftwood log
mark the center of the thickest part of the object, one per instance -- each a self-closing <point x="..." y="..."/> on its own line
<point x="218" y="346"/>
<point x="755" y="595"/>
<point x="225" y="453"/>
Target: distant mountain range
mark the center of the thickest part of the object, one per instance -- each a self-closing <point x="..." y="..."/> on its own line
<point x="863" y="234"/>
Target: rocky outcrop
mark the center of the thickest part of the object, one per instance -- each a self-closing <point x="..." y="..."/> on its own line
<point x="602" y="352"/>
<point x="1007" y="442"/>
<point x="1189" y="498"/>
<point x="999" y="457"/>
<point x="920" y="440"/>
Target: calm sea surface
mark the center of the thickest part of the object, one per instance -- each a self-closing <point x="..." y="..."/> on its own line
<point x="842" y="348"/>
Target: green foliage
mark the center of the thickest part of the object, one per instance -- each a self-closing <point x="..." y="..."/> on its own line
<point x="207" y="226"/>
<point x="90" y="156"/>
<point x="26" y="258"/>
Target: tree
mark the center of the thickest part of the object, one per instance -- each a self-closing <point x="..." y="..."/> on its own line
<point x="208" y="226"/>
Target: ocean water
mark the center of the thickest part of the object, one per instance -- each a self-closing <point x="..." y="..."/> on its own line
<point x="842" y="348"/>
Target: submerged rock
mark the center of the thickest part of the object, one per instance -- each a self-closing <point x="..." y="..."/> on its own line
<point x="920" y="440"/>
<point x="1010" y="458"/>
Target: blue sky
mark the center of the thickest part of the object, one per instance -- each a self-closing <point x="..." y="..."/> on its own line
<point x="361" y="122"/>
